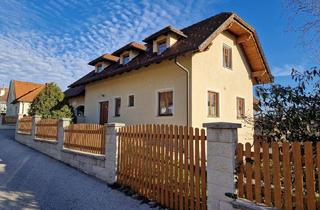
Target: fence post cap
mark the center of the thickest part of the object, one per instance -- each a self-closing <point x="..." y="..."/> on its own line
<point x="221" y="125"/>
<point x="115" y="124"/>
<point x="65" y="119"/>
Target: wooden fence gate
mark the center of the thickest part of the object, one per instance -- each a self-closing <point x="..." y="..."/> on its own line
<point x="166" y="164"/>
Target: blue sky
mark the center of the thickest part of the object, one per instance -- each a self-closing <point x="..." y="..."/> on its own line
<point x="53" y="40"/>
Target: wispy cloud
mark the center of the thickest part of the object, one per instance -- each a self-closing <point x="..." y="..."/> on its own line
<point x="285" y="70"/>
<point x="53" y="40"/>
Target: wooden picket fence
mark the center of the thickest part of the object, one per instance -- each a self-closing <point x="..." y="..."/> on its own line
<point x="25" y="125"/>
<point x="9" y="120"/>
<point x="85" y="137"/>
<point x="280" y="174"/>
<point x="158" y="163"/>
<point x="47" y="129"/>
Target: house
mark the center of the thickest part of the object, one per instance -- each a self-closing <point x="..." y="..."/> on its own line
<point x="3" y="100"/>
<point x="202" y="73"/>
<point x="21" y="95"/>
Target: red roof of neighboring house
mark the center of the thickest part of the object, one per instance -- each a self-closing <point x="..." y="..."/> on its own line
<point x="26" y="91"/>
<point x="4" y="97"/>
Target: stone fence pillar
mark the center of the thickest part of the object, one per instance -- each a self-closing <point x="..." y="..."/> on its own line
<point x="111" y="151"/>
<point x="64" y="122"/>
<point x="222" y="139"/>
<point x="35" y="119"/>
<point x="17" y="123"/>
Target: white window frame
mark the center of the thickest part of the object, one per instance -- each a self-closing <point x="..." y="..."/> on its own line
<point x="164" y="40"/>
<point x="157" y="102"/>
<point x="229" y="47"/>
<point x="219" y="102"/>
<point x="134" y="100"/>
<point x="124" y="56"/>
<point x="114" y="106"/>
<point x="244" y="108"/>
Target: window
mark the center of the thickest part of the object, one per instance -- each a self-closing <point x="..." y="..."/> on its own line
<point x="213" y="104"/>
<point x="165" y="105"/>
<point x="125" y="59"/>
<point x="227" y="57"/>
<point x="240" y="107"/>
<point x="131" y="100"/>
<point x="117" y="105"/>
<point x="99" y="67"/>
<point x="162" y="46"/>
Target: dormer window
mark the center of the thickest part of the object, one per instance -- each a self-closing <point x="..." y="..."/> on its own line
<point x="162" y="46"/>
<point x="125" y="59"/>
<point x="99" y="67"/>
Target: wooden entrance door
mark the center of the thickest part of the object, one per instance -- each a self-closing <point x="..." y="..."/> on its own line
<point x="104" y="108"/>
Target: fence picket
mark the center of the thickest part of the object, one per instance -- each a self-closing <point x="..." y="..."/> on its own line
<point x="298" y="176"/>
<point x="257" y="172"/>
<point x="276" y="175"/>
<point x="287" y="175"/>
<point x="309" y="175"/>
<point x="248" y="172"/>
<point x="266" y="174"/>
<point x="240" y="166"/>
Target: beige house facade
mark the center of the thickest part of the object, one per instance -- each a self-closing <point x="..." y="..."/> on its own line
<point x="212" y="83"/>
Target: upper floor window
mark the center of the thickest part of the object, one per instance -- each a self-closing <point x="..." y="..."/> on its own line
<point x="125" y="59"/>
<point x="227" y="57"/>
<point x="162" y="46"/>
<point x="117" y="105"/>
<point x="131" y="101"/>
<point x="240" y="107"/>
<point x="213" y="104"/>
<point x="165" y="106"/>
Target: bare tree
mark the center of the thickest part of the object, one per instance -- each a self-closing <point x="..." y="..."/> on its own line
<point x="304" y="18"/>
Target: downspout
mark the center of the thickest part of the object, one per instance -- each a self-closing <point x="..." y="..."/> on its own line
<point x="188" y="87"/>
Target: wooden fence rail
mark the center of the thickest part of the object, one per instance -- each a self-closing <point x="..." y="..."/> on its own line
<point x="25" y="125"/>
<point x="47" y="129"/>
<point x="280" y="174"/>
<point x="9" y="120"/>
<point x="85" y="137"/>
<point x="166" y="164"/>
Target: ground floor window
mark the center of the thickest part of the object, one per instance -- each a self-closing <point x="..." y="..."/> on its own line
<point x="80" y="111"/>
<point x="213" y="104"/>
<point x="165" y="103"/>
<point x="117" y="106"/>
<point x="240" y="107"/>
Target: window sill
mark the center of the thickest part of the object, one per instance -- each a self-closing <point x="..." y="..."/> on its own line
<point x="210" y="116"/>
<point x="164" y="115"/>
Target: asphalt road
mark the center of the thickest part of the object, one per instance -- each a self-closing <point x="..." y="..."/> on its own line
<point x="31" y="180"/>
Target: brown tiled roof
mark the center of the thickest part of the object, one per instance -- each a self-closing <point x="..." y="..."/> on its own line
<point x="104" y="57"/>
<point x="199" y="36"/>
<point x="73" y="92"/>
<point x="131" y="45"/>
<point x="4" y="97"/>
<point x="164" y="31"/>
<point x="26" y="91"/>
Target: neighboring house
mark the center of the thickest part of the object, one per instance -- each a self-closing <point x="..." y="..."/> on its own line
<point x="202" y="73"/>
<point x="75" y="97"/>
<point x="3" y="100"/>
<point x="21" y="95"/>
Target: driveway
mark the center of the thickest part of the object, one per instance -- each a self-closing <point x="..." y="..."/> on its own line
<point x="31" y="180"/>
